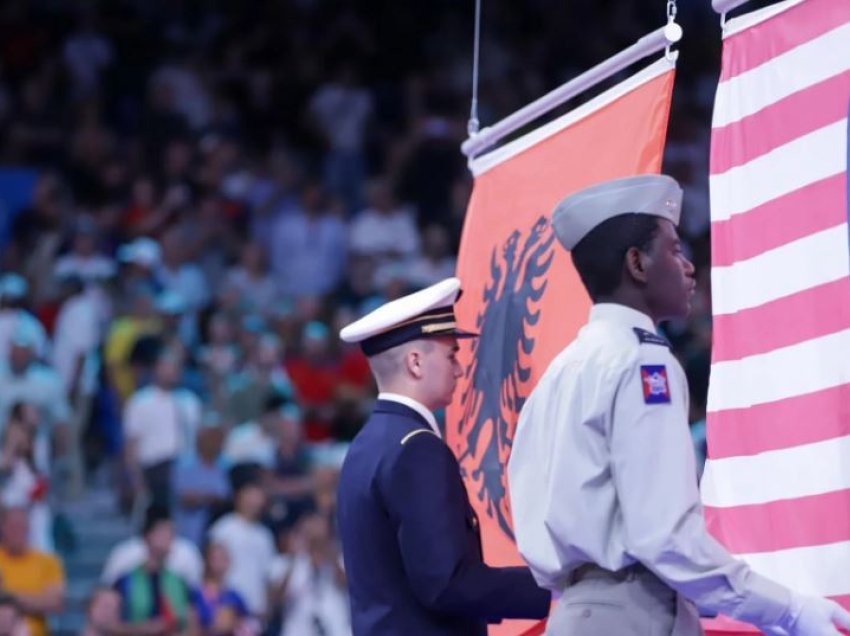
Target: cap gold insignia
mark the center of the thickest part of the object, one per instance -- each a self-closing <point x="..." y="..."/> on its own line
<point x="440" y="326"/>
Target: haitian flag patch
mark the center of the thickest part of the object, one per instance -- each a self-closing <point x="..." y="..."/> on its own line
<point x="656" y="389"/>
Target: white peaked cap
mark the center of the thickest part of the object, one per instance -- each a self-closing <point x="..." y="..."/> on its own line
<point x="578" y="214"/>
<point x="426" y="313"/>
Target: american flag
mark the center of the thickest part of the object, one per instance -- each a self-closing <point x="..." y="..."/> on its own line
<point x="777" y="483"/>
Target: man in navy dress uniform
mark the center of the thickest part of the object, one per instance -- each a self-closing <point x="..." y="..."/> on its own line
<point x="410" y="538"/>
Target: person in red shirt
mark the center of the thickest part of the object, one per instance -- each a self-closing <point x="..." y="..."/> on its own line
<point x="315" y="374"/>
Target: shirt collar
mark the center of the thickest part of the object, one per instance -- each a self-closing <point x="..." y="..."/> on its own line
<point x="620" y="314"/>
<point x="417" y="406"/>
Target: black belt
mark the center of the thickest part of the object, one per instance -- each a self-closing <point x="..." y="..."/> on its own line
<point x="591" y="570"/>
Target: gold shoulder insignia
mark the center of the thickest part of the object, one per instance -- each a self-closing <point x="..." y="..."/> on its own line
<point x="412" y="434"/>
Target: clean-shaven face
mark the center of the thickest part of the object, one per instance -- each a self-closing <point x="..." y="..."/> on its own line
<point x="440" y="370"/>
<point x="670" y="275"/>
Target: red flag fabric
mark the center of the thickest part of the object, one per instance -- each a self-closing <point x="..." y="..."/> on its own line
<point x="521" y="292"/>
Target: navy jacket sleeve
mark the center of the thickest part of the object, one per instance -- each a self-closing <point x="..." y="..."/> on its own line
<point x="437" y="538"/>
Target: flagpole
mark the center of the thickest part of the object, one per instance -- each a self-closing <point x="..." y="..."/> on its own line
<point x="654" y="42"/>
<point x="725" y="6"/>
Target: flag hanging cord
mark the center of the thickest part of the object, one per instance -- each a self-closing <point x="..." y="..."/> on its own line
<point x="480" y="141"/>
<point x="473" y="124"/>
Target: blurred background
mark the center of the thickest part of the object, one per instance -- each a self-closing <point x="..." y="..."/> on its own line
<point x="194" y="197"/>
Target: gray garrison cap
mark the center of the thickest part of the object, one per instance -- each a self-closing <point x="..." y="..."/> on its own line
<point x="654" y="194"/>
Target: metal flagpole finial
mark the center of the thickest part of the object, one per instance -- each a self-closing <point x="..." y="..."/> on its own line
<point x="673" y="32"/>
<point x="474" y="125"/>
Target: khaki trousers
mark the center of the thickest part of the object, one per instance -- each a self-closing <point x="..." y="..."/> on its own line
<point x="637" y="603"/>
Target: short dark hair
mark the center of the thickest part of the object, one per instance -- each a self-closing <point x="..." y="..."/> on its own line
<point x="154" y="515"/>
<point x="250" y="481"/>
<point x="273" y="402"/>
<point x="17" y="410"/>
<point x="598" y="257"/>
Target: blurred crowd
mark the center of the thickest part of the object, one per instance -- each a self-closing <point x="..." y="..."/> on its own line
<point x="196" y="196"/>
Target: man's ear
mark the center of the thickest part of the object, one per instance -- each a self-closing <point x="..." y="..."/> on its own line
<point x="636" y="264"/>
<point x="413" y="362"/>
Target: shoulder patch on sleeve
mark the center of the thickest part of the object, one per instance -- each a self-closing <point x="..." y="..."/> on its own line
<point x="647" y="337"/>
<point x="413" y="434"/>
<point x="656" y="387"/>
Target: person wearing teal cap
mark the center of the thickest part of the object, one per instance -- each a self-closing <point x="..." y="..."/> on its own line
<point x="23" y="378"/>
<point x="13" y="312"/>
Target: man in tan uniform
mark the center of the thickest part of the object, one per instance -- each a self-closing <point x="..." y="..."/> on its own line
<point x="602" y="479"/>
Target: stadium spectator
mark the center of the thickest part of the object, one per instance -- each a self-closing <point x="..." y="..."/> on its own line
<point x="33" y="578"/>
<point x="160" y="424"/>
<point x="251" y="278"/>
<point x="154" y="598"/>
<point x="385" y="230"/>
<point x="182" y="556"/>
<point x="309" y="246"/>
<point x="262" y="378"/>
<point x="24" y="379"/>
<point x="315" y="374"/>
<point x="21" y="483"/>
<point x="12" y="620"/>
<point x="76" y="336"/>
<point x="200" y="486"/>
<point x="243" y="534"/>
<point x="220" y="609"/>
<point x="288" y="481"/>
<point x="103" y="613"/>
<point x="312" y="583"/>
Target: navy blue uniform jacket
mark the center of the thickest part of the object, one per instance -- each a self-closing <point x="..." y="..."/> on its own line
<point x="411" y="540"/>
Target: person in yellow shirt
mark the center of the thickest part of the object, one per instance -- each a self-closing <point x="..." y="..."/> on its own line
<point x="34" y="579"/>
<point x="125" y="332"/>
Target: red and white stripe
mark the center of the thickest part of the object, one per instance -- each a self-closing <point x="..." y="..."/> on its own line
<point x="777" y="484"/>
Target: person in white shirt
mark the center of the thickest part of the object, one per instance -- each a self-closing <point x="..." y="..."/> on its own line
<point x="341" y="110"/>
<point x="254" y="441"/>
<point x="311" y="582"/>
<point x="76" y="337"/>
<point x="183" y="557"/>
<point x="160" y="425"/>
<point x="181" y="77"/>
<point x="84" y="259"/>
<point x="385" y="230"/>
<point x="86" y="262"/>
<point x="602" y="481"/>
<point x="21" y="485"/>
<point x="24" y="379"/>
<point x="251" y="544"/>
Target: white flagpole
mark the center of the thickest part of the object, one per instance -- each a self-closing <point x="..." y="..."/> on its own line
<point x="654" y="42"/>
